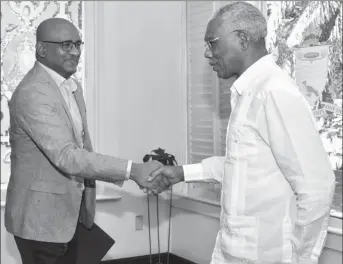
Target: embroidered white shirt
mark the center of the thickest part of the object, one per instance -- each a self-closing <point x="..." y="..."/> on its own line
<point x="273" y="155"/>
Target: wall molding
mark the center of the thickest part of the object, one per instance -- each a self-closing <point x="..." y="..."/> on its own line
<point x="93" y="37"/>
<point x="181" y="188"/>
<point x="184" y="79"/>
<point x="93" y="28"/>
<point x="197" y="205"/>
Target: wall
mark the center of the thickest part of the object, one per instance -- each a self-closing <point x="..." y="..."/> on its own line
<point x="134" y="105"/>
<point x="137" y="99"/>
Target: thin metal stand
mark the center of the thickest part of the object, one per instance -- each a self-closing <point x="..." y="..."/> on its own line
<point x="166" y="159"/>
<point x="149" y="228"/>
<point x="158" y="232"/>
<point x="158" y="228"/>
<point x="170" y="210"/>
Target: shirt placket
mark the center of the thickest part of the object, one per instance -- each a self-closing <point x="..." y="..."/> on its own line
<point x="233" y="99"/>
<point x="73" y="108"/>
<point x="67" y="89"/>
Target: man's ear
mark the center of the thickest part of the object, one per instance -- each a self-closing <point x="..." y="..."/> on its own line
<point x="41" y="49"/>
<point x="244" y="40"/>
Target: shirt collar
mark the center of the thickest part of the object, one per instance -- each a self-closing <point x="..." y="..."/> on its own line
<point x="257" y="68"/>
<point x="59" y="80"/>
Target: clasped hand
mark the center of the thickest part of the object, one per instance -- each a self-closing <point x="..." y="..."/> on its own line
<point x="153" y="177"/>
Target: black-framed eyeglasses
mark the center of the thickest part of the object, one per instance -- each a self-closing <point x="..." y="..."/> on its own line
<point x="208" y="44"/>
<point x="68" y="45"/>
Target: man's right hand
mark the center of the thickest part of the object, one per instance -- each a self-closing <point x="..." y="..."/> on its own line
<point x="141" y="171"/>
<point x="171" y="174"/>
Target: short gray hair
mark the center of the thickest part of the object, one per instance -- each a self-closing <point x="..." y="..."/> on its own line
<point x="243" y="16"/>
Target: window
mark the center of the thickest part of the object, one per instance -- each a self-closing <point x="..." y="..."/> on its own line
<point x="293" y="22"/>
<point x="208" y="97"/>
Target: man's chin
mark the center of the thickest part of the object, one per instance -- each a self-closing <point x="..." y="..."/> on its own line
<point x="220" y="75"/>
<point x="70" y="67"/>
<point x="223" y="75"/>
<point x="71" y="70"/>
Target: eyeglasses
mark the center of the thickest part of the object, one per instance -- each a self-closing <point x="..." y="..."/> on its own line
<point x="208" y="44"/>
<point x="68" y="45"/>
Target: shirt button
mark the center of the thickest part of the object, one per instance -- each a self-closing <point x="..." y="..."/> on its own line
<point x="80" y="185"/>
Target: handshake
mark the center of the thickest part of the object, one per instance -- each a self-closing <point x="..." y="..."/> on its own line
<point x="153" y="177"/>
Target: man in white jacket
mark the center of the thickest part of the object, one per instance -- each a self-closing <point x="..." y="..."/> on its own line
<point x="273" y="154"/>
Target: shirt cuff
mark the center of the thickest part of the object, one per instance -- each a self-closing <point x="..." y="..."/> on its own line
<point x="128" y="170"/>
<point x="193" y="172"/>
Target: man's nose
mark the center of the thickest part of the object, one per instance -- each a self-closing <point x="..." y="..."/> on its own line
<point x="208" y="54"/>
<point x="75" y="51"/>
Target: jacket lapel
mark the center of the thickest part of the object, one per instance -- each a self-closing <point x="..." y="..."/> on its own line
<point x="48" y="79"/>
<point x="80" y="103"/>
<point x="66" y="109"/>
<point x="82" y="107"/>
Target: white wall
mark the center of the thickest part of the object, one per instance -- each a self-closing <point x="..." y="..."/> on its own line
<point x="134" y="105"/>
<point x="139" y="106"/>
<point x="193" y="235"/>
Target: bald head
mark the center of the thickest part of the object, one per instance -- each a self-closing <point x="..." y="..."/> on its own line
<point x="55" y="29"/>
<point x="58" y="46"/>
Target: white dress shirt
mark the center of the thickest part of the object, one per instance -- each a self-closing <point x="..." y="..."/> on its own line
<point x="273" y="155"/>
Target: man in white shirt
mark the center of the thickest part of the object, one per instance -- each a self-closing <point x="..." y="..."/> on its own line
<point x="273" y="153"/>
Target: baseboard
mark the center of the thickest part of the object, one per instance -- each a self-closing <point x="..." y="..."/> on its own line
<point x="173" y="259"/>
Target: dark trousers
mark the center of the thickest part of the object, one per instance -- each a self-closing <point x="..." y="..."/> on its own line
<point x="37" y="252"/>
